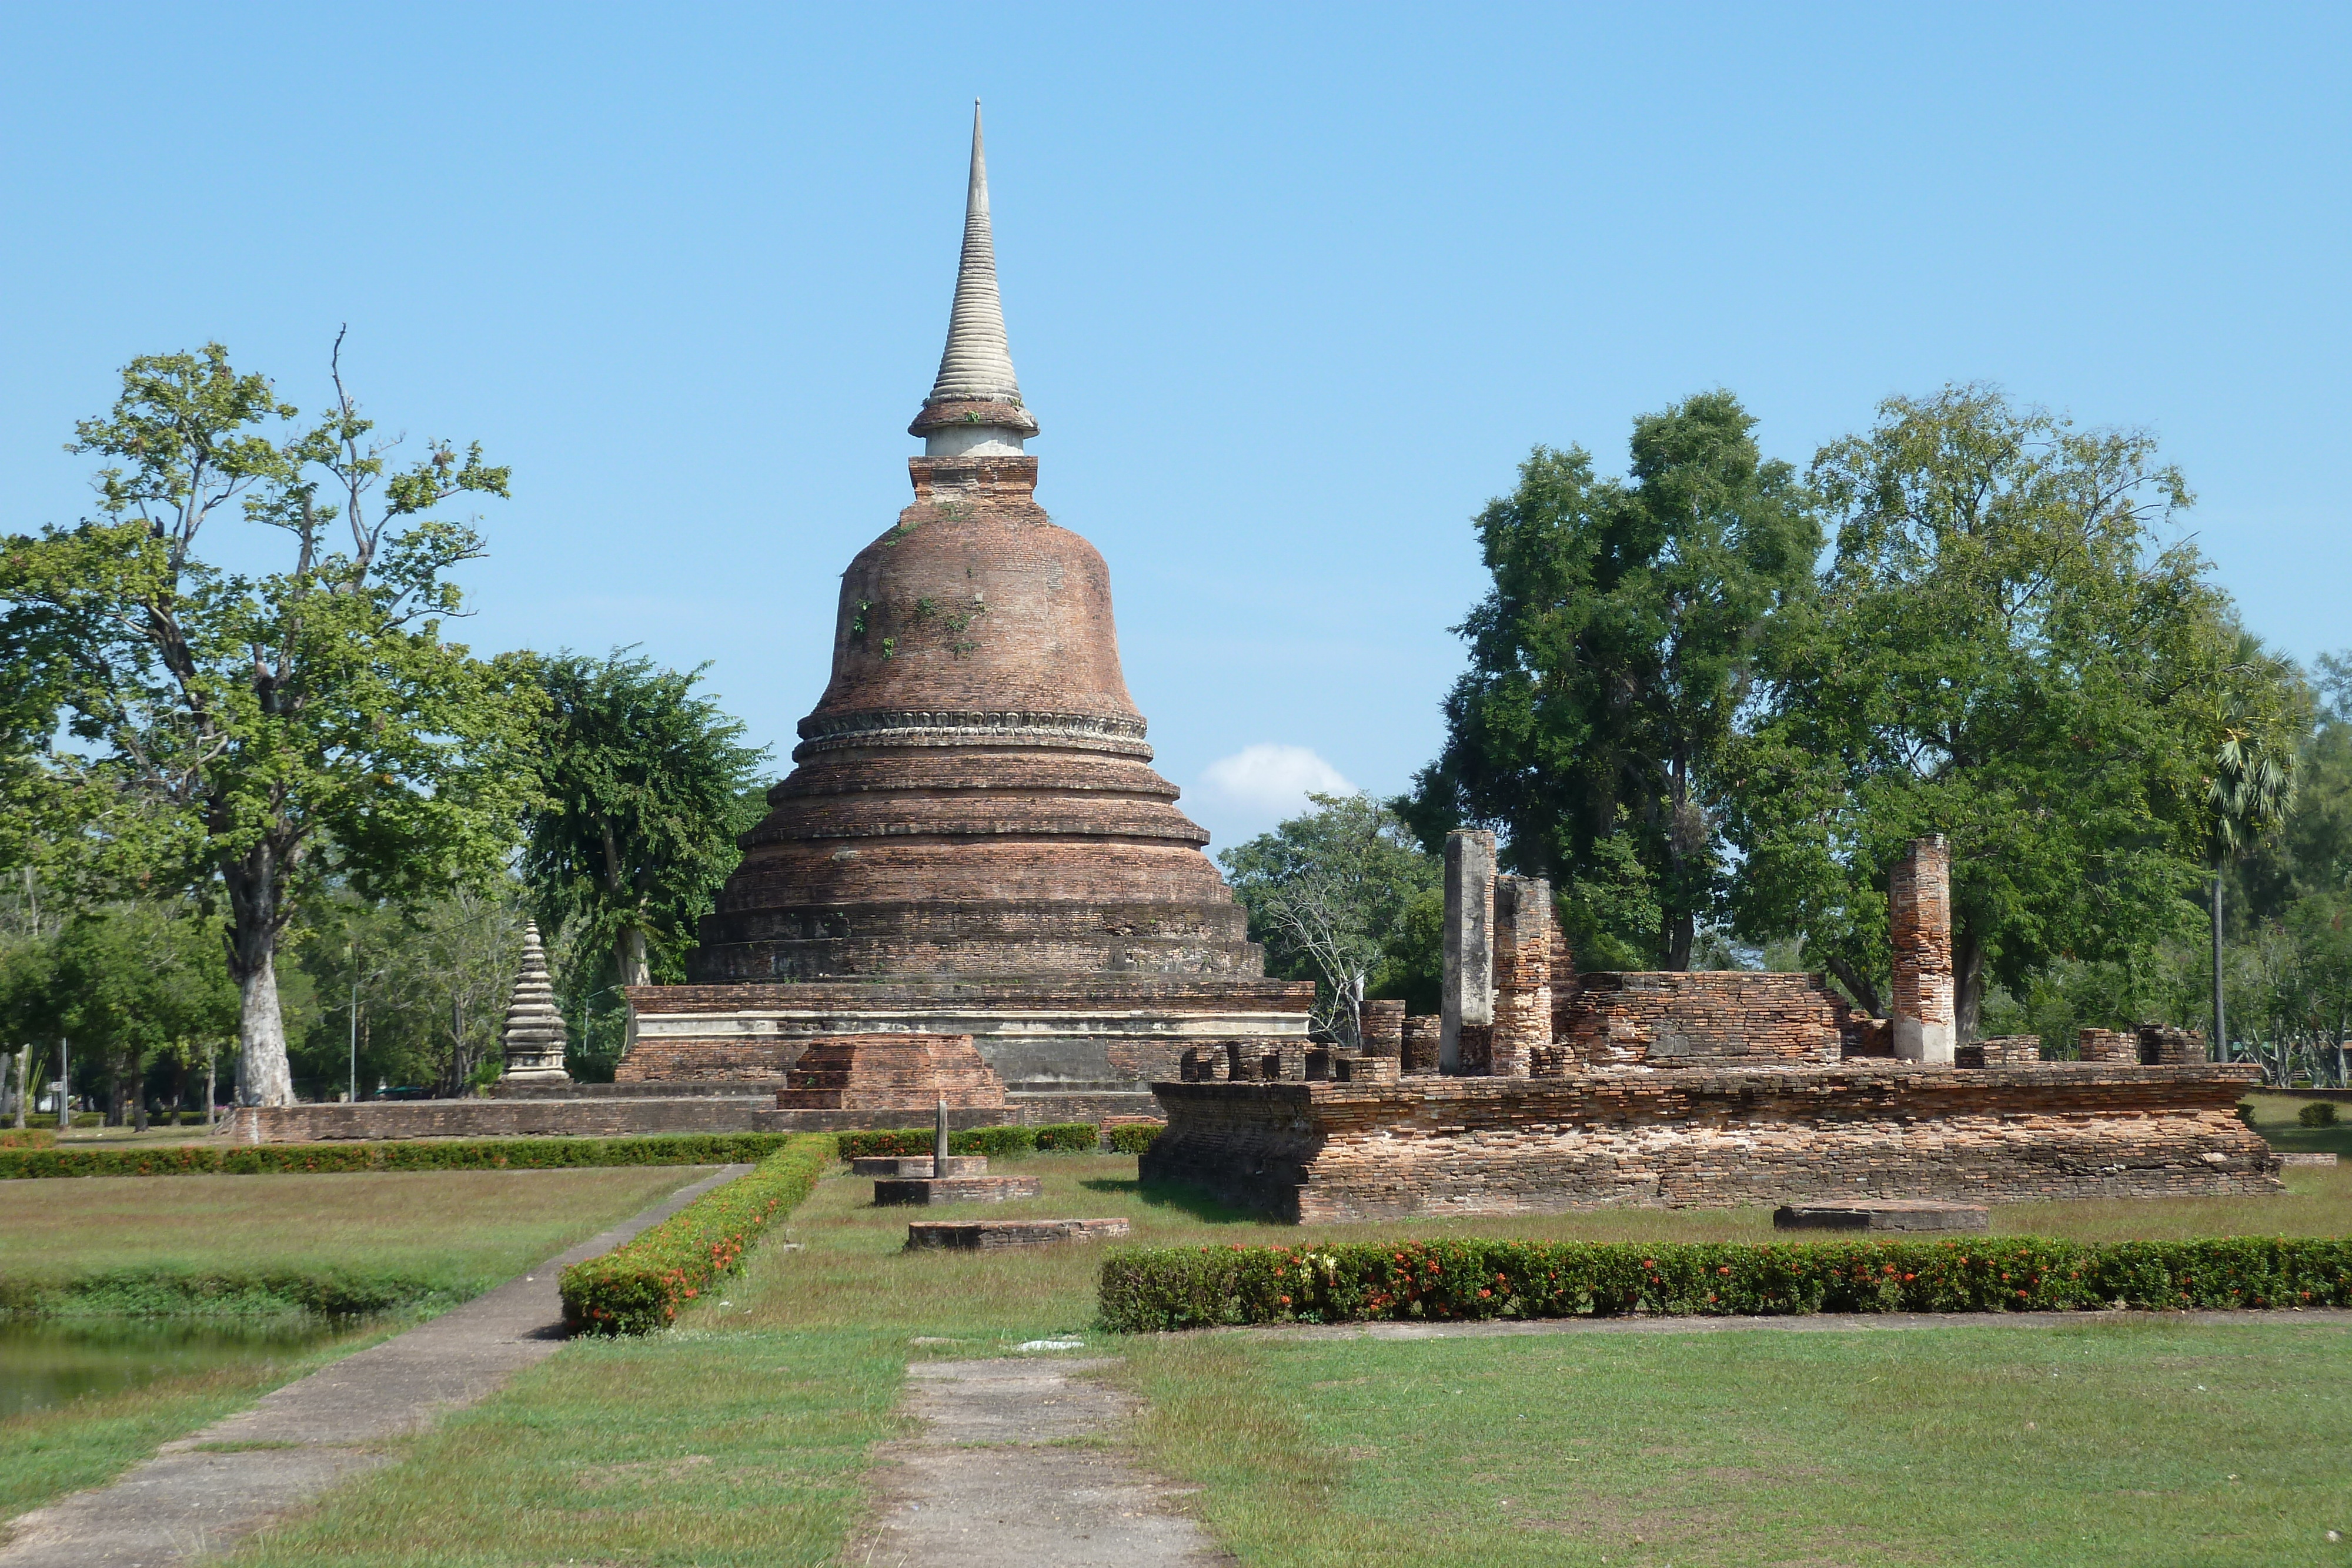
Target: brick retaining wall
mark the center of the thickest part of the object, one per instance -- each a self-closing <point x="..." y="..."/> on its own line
<point x="1714" y="1139"/>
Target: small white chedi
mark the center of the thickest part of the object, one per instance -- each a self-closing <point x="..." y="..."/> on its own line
<point x="534" y="1036"/>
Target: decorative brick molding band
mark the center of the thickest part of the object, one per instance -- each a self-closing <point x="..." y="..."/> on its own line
<point x="1111" y="733"/>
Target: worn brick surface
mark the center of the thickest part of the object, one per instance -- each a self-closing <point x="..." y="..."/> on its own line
<point x="1422" y="1031"/>
<point x="973" y="793"/>
<point x="1919" y="934"/>
<point x="1495" y="1145"/>
<point x="1703" y="1018"/>
<point x="1521" y="1039"/>
<point x="890" y="1072"/>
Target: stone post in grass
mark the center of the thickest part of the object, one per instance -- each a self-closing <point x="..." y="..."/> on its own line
<point x="940" y="1139"/>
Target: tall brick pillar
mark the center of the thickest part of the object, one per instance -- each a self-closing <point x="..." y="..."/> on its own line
<point x="1919" y="913"/>
<point x="1523" y="932"/>
<point x="1467" y="997"/>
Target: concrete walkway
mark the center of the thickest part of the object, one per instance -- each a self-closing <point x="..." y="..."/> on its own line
<point x="203" y="1492"/>
<point x="1001" y="1477"/>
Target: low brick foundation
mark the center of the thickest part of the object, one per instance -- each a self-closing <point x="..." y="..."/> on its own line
<point x="621" y="1116"/>
<point x="1330" y="1150"/>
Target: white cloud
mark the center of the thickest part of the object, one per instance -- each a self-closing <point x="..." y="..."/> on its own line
<point x="1272" y="781"/>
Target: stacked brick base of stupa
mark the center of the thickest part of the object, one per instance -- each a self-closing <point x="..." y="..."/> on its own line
<point x="890" y="1073"/>
<point x="1331" y="1151"/>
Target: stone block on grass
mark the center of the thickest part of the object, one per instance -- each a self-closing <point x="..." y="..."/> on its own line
<point x="1881" y="1214"/>
<point x="985" y="1234"/>
<point x="890" y="1192"/>
<point x="918" y="1165"/>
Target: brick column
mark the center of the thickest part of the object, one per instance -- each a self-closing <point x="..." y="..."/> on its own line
<point x="1523" y="928"/>
<point x="1467" y="997"/>
<point x="1421" y="1035"/>
<point x="1919" y="913"/>
<point x="1381" y="1026"/>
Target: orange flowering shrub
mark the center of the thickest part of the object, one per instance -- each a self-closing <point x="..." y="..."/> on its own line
<point x="639" y="1287"/>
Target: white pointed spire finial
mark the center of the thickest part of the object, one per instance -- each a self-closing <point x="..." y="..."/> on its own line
<point x="975" y="402"/>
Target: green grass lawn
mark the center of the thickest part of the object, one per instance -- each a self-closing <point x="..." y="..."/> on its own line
<point x="2275" y="1119"/>
<point x="471" y="1228"/>
<point x="2149" y="1443"/>
<point x="468" y="1228"/>
<point x="741" y="1436"/>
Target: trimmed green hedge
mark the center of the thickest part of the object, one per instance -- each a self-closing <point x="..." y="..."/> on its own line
<point x="28" y="1138"/>
<point x="996" y="1142"/>
<point x="1134" y="1138"/>
<point x="424" y="1154"/>
<point x="639" y="1287"/>
<point x="1145" y="1290"/>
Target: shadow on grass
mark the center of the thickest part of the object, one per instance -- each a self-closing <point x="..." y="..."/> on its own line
<point x="1200" y="1205"/>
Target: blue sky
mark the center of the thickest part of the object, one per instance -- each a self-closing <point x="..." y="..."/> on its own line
<point x="1290" y="289"/>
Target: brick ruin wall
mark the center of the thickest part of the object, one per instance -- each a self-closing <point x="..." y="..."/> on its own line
<point x="1703" y="1019"/>
<point x="1332" y="1152"/>
<point x="1521" y="1034"/>
<point x="1920" y="933"/>
<point x="763" y="1059"/>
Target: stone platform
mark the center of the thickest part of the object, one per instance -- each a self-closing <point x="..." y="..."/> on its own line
<point x="890" y="1192"/>
<point x="588" y="1114"/>
<point x="982" y="1235"/>
<point x="1889" y="1215"/>
<point x="919" y="1166"/>
<point x="1861" y="1129"/>
<point x="1102" y="1034"/>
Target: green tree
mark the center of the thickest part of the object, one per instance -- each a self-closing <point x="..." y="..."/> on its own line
<point x="1608" y="666"/>
<point x="411" y="995"/>
<point x="2251" y="783"/>
<point x="643" y="787"/>
<point x="1329" y="892"/>
<point x="136" y="982"/>
<point x="2006" y="651"/>
<point x="272" y="728"/>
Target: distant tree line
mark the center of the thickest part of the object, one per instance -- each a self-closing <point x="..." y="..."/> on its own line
<point x="273" y="825"/>
<point x="1712" y="700"/>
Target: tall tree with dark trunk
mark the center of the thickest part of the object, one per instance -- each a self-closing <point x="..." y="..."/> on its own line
<point x="267" y="730"/>
<point x="2006" y="651"/>
<point x="1608" y="664"/>
<point x="644" y="785"/>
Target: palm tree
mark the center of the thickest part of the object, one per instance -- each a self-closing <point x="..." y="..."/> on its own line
<point x="2252" y="785"/>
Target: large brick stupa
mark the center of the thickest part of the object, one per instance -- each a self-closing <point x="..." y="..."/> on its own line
<point x="972" y="841"/>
